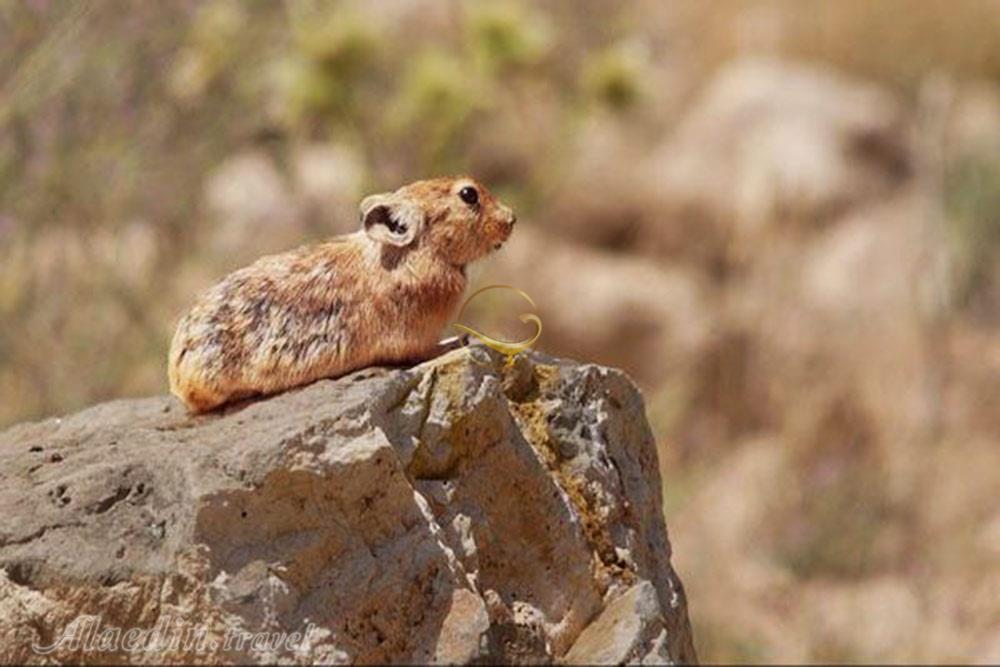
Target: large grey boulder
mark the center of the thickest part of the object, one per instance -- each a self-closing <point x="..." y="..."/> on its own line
<point x="458" y="511"/>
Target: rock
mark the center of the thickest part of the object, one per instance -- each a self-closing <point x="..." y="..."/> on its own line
<point x="457" y="511"/>
<point x="597" y="201"/>
<point x="885" y="261"/>
<point x="626" y="632"/>
<point x="768" y="142"/>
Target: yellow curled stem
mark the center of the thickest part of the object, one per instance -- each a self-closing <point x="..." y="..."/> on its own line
<point x="504" y="347"/>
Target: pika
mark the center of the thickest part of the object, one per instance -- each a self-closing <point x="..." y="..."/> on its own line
<point x="381" y="295"/>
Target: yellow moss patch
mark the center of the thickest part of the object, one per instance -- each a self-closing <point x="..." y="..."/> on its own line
<point x="531" y="417"/>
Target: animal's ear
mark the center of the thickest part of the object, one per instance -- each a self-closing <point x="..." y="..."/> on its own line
<point x="391" y="221"/>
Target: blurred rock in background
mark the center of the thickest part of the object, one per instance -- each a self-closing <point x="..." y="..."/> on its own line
<point x="781" y="217"/>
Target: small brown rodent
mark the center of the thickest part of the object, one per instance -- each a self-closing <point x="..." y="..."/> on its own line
<point x="381" y="295"/>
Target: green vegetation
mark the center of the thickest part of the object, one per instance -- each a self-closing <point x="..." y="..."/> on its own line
<point x="972" y="200"/>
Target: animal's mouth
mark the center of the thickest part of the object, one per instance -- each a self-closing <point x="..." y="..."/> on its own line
<point x="506" y="235"/>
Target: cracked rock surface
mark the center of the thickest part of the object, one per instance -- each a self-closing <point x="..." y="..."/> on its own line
<point x="458" y="511"/>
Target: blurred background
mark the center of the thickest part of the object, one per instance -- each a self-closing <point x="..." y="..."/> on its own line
<point x="782" y="218"/>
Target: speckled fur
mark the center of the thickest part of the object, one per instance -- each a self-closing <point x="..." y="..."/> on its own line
<point x="325" y="310"/>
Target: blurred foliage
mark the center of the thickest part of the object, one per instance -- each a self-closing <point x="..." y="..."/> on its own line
<point x="504" y="36"/>
<point x="436" y="100"/>
<point x="209" y="50"/>
<point x="333" y="54"/>
<point x="614" y="76"/>
<point x="972" y="199"/>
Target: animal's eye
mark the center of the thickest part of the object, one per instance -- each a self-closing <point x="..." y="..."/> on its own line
<point x="469" y="195"/>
